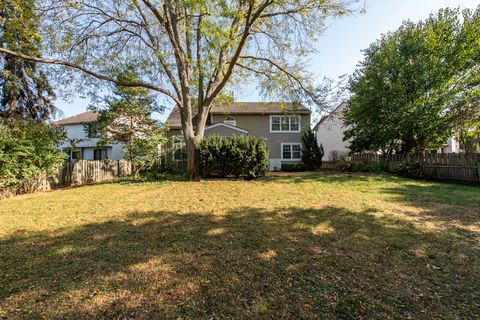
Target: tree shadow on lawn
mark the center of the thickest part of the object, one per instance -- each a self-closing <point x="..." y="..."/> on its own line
<point x="248" y="263"/>
<point x="440" y="202"/>
<point x="327" y="177"/>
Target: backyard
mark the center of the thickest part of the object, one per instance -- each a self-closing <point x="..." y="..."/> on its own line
<point x="288" y="246"/>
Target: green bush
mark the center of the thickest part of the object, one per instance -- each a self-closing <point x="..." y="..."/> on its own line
<point x="238" y="156"/>
<point x="27" y="151"/>
<point x="293" y="167"/>
<point x="410" y="170"/>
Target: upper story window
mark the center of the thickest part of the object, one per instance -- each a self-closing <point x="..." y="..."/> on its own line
<point x="284" y="124"/>
<point x="231" y="121"/>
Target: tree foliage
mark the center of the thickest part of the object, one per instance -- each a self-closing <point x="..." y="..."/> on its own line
<point x="191" y="52"/>
<point x="238" y="156"/>
<point x="127" y="117"/>
<point x="312" y="152"/>
<point x="27" y="151"/>
<point x="24" y="89"/>
<point x="418" y="85"/>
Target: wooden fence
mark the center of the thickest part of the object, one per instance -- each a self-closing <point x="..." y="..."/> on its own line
<point x="79" y="172"/>
<point x="458" y="167"/>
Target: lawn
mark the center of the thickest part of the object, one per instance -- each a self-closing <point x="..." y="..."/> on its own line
<point x="320" y="245"/>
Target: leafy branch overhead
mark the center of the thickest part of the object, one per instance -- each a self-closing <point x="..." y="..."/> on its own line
<point x="190" y="52"/>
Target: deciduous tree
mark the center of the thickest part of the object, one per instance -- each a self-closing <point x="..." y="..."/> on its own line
<point x="191" y="52"/>
<point x="415" y="85"/>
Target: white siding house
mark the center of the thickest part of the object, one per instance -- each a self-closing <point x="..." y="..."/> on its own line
<point x="83" y="146"/>
<point x="330" y="131"/>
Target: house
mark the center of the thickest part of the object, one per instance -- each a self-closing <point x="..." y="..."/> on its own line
<point x="330" y="132"/>
<point x="84" y="145"/>
<point x="452" y="145"/>
<point x="281" y="124"/>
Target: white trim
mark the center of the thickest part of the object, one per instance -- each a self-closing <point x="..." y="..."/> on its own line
<point x="290" y="144"/>
<point x="226" y="125"/>
<point x="285" y="131"/>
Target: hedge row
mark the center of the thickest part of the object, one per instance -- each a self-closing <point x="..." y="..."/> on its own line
<point x="411" y="170"/>
<point x="238" y="156"/>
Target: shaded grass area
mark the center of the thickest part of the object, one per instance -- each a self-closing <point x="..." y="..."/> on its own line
<point x="291" y="246"/>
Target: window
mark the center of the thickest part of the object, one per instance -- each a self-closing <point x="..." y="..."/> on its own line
<point x="284" y="124"/>
<point x="292" y="151"/>
<point x="178" y="148"/>
<point x="100" y="154"/>
<point x="231" y="121"/>
<point x="76" y="155"/>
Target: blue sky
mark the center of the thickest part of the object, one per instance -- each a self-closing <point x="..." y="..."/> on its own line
<point x="341" y="44"/>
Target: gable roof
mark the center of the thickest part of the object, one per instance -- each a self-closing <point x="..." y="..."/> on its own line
<point x="226" y="125"/>
<point x="84" y="117"/>
<point x="340" y="107"/>
<point x="174" y="120"/>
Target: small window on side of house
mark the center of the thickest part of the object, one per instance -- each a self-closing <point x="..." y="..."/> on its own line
<point x="100" y="154"/>
<point x="76" y="155"/>
<point x="230" y="120"/>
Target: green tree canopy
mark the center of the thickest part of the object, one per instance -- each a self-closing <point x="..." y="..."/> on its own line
<point x="127" y="117"/>
<point x="191" y="52"/>
<point x="414" y="82"/>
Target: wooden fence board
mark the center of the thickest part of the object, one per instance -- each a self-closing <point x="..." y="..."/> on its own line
<point x="82" y="172"/>
<point x="451" y="166"/>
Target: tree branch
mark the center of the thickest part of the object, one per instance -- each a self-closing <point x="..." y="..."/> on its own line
<point x="91" y="73"/>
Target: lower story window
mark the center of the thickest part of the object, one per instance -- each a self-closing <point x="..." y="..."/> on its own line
<point x="99" y="154"/>
<point x="291" y="151"/>
<point x="76" y="155"/>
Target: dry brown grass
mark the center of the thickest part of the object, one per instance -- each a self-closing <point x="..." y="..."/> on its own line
<point x="310" y="246"/>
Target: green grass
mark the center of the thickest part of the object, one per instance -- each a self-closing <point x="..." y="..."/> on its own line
<point x="288" y="246"/>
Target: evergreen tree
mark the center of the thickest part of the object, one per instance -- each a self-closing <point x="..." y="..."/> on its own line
<point x="127" y="117"/>
<point x="312" y="153"/>
<point x="24" y="88"/>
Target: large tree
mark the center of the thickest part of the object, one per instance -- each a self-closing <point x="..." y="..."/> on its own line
<point x="24" y="88"/>
<point x="191" y="51"/>
<point x="127" y="117"/>
<point x="417" y="85"/>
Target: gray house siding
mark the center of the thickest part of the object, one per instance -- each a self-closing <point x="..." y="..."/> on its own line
<point x="259" y="126"/>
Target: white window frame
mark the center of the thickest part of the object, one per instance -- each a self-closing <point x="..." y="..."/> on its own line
<point x="289" y="124"/>
<point x="291" y="151"/>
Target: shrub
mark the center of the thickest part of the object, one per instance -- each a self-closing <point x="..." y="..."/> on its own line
<point x="292" y="167"/>
<point x="312" y="153"/>
<point x="238" y="156"/>
<point x="27" y="151"/>
<point x="410" y="170"/>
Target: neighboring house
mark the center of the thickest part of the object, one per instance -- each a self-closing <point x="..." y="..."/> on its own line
<point x="330" y="132"/>
<point x="84" y="145"/>
<point x="452" y="145"/>
<point x="282" y="125"/>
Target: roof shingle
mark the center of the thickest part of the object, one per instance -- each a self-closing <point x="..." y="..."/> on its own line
<point x="84" y="117"/>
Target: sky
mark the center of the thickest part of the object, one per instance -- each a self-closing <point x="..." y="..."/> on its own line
<point x="340" y="46"/>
